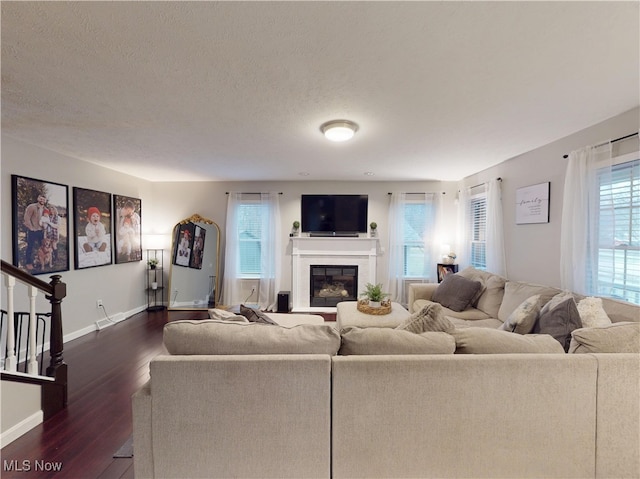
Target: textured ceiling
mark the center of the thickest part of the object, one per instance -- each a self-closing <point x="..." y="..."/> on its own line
<point x="182" y="91"/>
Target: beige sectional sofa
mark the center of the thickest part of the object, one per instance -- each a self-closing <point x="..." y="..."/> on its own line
<point x="248" y="401"/>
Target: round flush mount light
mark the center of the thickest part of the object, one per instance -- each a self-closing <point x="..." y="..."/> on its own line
<point x="339" y="130"/>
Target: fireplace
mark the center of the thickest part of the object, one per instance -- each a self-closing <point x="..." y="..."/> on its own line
<point x="331" y="284"/>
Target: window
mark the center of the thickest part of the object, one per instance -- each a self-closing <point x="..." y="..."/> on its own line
<point x="250" y="216"/>
<point x="618" y="261"/>
<point x="478" y="230"/>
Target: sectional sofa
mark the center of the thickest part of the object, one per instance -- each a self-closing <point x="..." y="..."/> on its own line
<point x="232" y="399"/>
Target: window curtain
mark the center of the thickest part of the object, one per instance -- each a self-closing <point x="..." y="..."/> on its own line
<point x="271" y="252"/>
<point x="463" y="242"/>
<point x="495" y="254"/>
<point x="396" y="275"/>
<point x="579" y="239"/>
<point x="231" y="284"/>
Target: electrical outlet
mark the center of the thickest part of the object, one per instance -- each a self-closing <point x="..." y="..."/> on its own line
<point x="98" y="303"/>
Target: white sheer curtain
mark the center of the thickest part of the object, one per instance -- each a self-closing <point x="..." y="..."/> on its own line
<point x="495" y="254"/>
<point x="231" y="284"/>
<point x="463" y="242"/>
<point x="398" y="225"/>
<point x="270" y="249"/>
<point x="270" y="252"/>
<point x="579" y="239"/>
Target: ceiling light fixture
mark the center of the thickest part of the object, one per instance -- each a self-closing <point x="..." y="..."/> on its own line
<point x="339" y="130"/>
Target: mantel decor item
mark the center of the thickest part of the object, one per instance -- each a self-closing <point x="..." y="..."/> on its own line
<point x="532" y="204"/>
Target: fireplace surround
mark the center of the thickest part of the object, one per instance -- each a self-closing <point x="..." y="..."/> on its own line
<point x="306" y="252"/>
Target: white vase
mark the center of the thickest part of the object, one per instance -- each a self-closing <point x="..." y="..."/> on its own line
<point x="374" y="304"/>
<point x="154" y="285"/>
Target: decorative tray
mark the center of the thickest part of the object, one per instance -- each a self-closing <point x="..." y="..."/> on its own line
<point x="385" y="308"/>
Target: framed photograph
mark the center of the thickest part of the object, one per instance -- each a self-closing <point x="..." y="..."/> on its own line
<point x="92" y="228"/>
<point x="183" y="244"/>
<point x="126" y="227"/>
<point x="40" y="211"/>
<point x="532" y="204"/>
<point x="198" y="248"/>
<point x="445" y="269"/>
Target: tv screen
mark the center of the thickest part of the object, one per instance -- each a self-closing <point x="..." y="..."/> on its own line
<point x="334" y="213"/>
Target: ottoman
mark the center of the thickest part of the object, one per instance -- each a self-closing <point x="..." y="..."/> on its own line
<point x="348" y="315"/>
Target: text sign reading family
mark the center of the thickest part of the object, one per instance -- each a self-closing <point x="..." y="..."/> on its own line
<point x="532" y="204"/>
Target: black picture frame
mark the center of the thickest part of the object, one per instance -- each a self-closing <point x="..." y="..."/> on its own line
<point x="127" y="237"/>
<point x="198" y="248"/>
<point x="183" y="244"/>
<point x="92" y="228"/>
<point x="30" y="198"/>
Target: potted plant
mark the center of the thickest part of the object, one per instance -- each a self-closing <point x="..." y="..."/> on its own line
<point x="373" y="292"/>
<point x="152" y="262"/>
<point x="374" y="228"/>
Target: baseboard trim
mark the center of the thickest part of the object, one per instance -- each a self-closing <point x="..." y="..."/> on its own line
<point x="21" y="428"/>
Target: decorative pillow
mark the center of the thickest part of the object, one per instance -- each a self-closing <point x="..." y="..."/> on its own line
<point x="614" y="338"/>
<point x="495" y="341"/>
<point x="255" y="316"/>
<point x="491" y="292"/>
<point x="376" y="341"/>
<point x="521" y="321"/>
<point x="429" y="318"/>
<point x="592" y="313"/>
<point x="226" y="315"/>
<point x="559" y="322"/>
<point x="556" y="300"/>
<point x="456" y="292"/>
<point x="187" y="337"/>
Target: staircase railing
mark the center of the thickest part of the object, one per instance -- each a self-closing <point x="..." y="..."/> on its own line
<point x="54" y="396"/>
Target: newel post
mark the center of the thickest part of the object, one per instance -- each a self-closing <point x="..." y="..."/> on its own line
<point x="59" y="291"/>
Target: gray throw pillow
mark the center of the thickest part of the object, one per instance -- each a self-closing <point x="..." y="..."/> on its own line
<point x="559" y="322"/>
<point x="456" y="292"/>
<point x="429" y="318"/>
<point x="255" y="316"/>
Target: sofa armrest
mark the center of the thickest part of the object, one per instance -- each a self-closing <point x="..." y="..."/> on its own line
<point x="420" y="291"/>
<point x="143" y="458"/>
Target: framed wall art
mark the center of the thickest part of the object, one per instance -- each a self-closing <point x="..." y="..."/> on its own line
<point x="126" y="226"/>
<point x="198" y="248"/>
<point x="92" y="227"/>
<point x="532" y="204"/>
<point x="183" y="244"/>
<point x="40" y="211"/>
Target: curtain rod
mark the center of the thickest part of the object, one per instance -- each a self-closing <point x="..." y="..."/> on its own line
<point x="418" y="193"/>
<point x="482" y="184"/>
<point x="631" y="135"/>
<point x="250" y="193"/>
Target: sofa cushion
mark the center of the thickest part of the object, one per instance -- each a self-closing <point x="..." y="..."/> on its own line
<point x="515" y="292"/>
<point x="469" y="313"/>
<point x="492" y="290"/>
<point x="495" y="341"/>
<point x="592" y="313"/>
<point x="255" y="316"/>
<point x="456" y="292"/>
<point x="522" y="319"/>
<point x="187" y="337"/>
<point x="429" y="318"/>
<point x="559" y="322"/>
<point x="492" y="323"/>
<point x="377" y="341"/>
<point x="615" y="338"/>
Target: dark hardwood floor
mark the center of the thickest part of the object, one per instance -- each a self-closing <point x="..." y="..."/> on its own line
<point x="105" y="368"/>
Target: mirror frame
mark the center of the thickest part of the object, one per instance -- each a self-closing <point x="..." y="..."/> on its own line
<point x="195" y="218"/>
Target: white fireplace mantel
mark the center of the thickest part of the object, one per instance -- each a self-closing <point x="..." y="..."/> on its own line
<point x="307" y="251"/>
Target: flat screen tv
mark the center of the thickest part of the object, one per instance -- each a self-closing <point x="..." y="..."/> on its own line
<point x="334" y="214"/>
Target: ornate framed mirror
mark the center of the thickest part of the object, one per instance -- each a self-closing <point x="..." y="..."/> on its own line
<point x="195" y="264"/>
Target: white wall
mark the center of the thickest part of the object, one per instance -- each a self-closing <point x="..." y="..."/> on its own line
<point x="533" y="250"/>
<point x="120" y="286"/>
